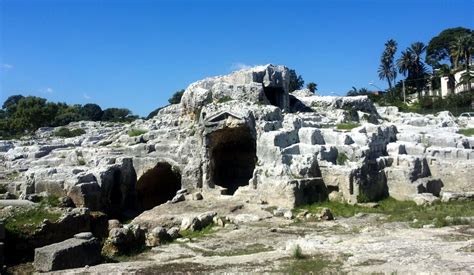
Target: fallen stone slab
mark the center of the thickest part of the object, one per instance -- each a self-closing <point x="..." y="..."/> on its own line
<point x="18" y="203"/>
<point x="75" y="252"/>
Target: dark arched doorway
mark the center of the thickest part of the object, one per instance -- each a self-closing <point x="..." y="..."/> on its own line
<point x="157" y="186"/>
<point x="232" y="158"/>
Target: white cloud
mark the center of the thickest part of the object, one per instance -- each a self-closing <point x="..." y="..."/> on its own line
<point x="47" y="90"/>
<point x="7" y="67"/>
<point x="240" y="66"/>
<point x="86" y="96"/>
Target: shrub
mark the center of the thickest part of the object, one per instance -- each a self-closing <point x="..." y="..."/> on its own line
<point x="66" y="133"/>
<point x="135" y="132"/>
<point x="297" y="252"/>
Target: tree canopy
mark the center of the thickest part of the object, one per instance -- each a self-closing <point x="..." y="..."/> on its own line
<point x="296" y="81"/>
<point x="440" y="50"/>
<point x="176" y="97"/>
<point x="20" y="115"/>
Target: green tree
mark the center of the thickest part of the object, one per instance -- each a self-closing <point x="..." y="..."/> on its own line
<point x="296" y="81"/>
<point x="117" y="115"/>
<point x="387" y="69"/>
<point x="10" y="104"/>
<point x="91" y="111"/>
<point x="176" y="98"/>
<point x="33" y="112"/>
<point x="153" y="113"/>
<point x="312" y="87"/>
<point x="440" y="49"/>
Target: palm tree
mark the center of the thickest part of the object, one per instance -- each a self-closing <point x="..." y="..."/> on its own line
<point x="410" y="64"/>
<point x="387" y="68"/>
<point x="463" y="47"/>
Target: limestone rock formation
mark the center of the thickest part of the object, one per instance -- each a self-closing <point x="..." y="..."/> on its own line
<point x="245" y="135"/>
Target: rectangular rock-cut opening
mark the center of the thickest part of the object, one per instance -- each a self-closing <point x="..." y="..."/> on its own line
<point x="232" y="158"/>
<point x="275" y="96"/>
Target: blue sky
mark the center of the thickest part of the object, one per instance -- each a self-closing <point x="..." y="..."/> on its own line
<point x="135" y="54"/>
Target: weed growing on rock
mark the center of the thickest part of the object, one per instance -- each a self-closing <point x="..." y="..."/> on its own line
<point x="25" y="222"/>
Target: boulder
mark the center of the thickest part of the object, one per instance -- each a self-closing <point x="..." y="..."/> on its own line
<point x="157" y="236"/>
<point x="79" y="251"/>
<point x="424" y="199"/>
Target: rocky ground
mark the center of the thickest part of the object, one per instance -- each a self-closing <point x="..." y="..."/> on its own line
<point x="258" y="241"/>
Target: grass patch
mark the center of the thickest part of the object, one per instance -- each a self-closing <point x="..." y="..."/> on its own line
<point x="248" y="250"/>
<point x="405" y="211"/>
<point x="347" y="126"/>
<point x="314" y="264"/>
<point x="66" y="133"/>
<point x="198" y="233"/>
<point x="12" y="176"/>
<point x="24" y="223"/>
<point x="135" y="132"/>
<point x="468" y="132"/>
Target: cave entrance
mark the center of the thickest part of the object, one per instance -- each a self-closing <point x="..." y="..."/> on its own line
<point x="116" y="195"/>
<point x="157" y="186"/>
<point x="275" y="95"/>
<point x="232" y="158"/>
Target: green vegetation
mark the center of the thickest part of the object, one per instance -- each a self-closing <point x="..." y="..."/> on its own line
<point x="297" y="253"/>
<point x="312" y="87"/>
<point x="341" y="158"/>
<point x="176" y="97"/>
<point x="12" y="176"/>
<point x="296" y="81"/>
<point x="315" y="264"/>
<point x="66" y="133"/>
<point x="347" y="126"/>
<point x="224" y="99"/>
<point x="248" y="250"/>
<point x="50" y="200"/>
<point x="25" y="222"/>
<point x="135" y="132"/>
<point x="469" y="132"/>
<point x="198" y="233"/>
<point x="154" y="113"/>
<point x="405" y="211"/>
<point x="446" y="54"/>
<point x="387" y="69"/>
<point x="23" y="115"/>
<point x="81" y="162"/>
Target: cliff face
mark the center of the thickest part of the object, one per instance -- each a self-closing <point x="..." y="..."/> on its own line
<point x="244" y="135"/>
